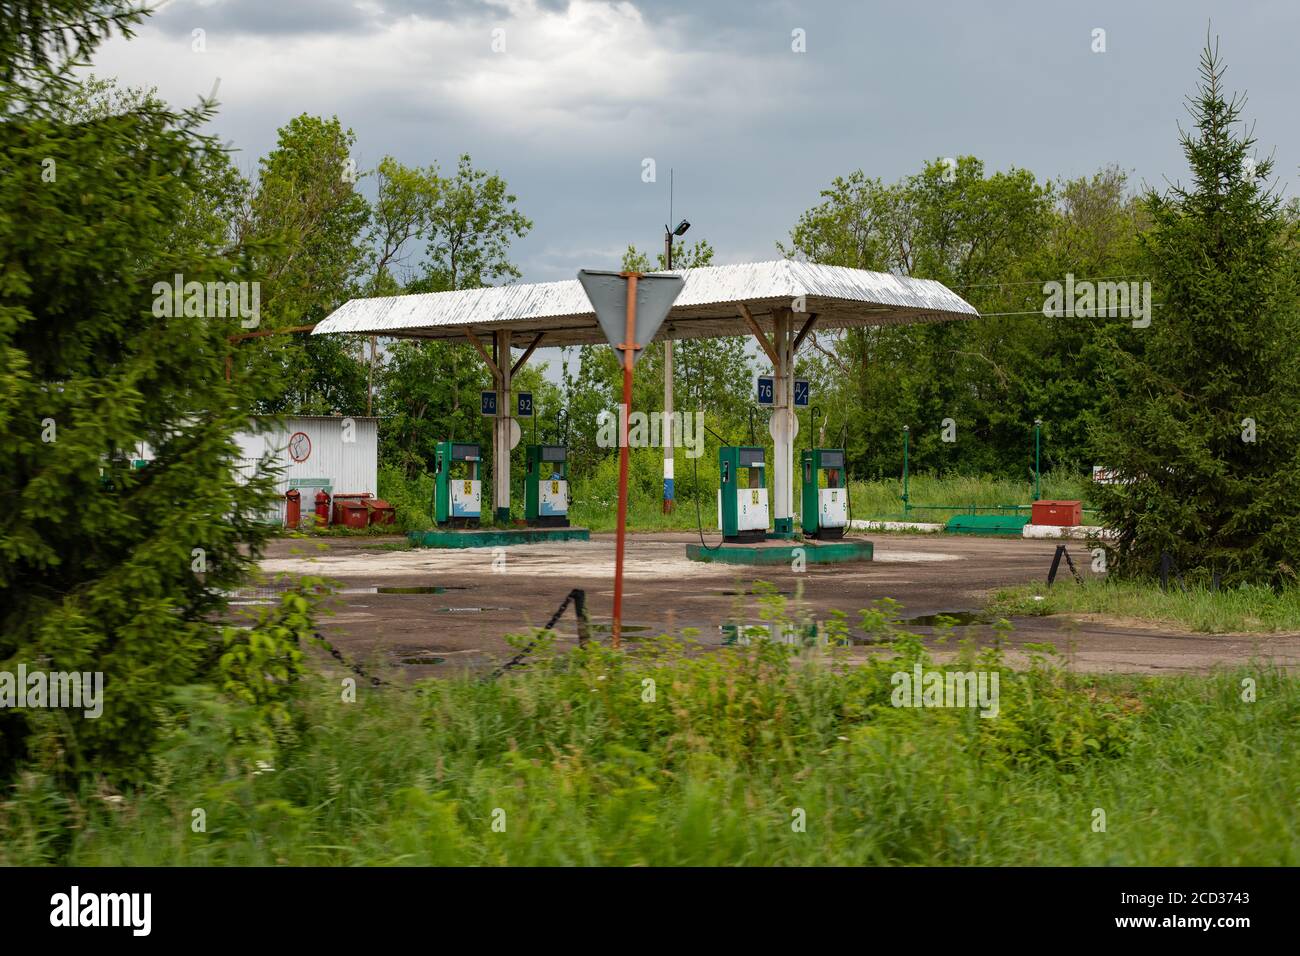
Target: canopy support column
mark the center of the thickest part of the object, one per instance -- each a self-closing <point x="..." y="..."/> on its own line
<point x="502" y="439"/>
<point x="783" y="423"/>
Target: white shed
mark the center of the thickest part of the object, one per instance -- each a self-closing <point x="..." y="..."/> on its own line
<point x="338" y="454"/>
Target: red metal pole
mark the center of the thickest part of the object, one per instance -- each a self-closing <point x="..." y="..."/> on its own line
<point x="629" y="348"/>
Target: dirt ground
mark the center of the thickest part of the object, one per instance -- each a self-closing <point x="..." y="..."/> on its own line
<point x="463" y="622"/>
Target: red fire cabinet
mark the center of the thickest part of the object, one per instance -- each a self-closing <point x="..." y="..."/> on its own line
<point x="1065" y="513"/>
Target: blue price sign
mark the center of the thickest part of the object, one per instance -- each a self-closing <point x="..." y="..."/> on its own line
<point x="801" y="392"/>
<point x="766" y="392"/>
<point x="525" y="404"/>
<point x="489" y="403"/>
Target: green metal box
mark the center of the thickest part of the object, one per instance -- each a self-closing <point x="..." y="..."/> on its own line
<point x="1004" y="524"/>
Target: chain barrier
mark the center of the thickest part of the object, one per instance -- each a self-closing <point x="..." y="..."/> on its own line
<point x="578" y="598"/>
<point x="1168" y="569"/>
<point x="355" y="668"/>
<point x="1061" y="552"/>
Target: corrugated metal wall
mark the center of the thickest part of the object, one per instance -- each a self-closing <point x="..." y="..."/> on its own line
<point x="342" y="466"/>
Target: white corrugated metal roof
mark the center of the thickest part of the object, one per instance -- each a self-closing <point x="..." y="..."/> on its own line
<point x="285" y="416"/>
<point x="707" y="306"/>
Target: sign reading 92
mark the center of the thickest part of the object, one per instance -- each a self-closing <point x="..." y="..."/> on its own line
<point x="766" y="391"/>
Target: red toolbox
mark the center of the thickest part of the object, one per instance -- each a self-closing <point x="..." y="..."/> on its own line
<point x="381" y="512"/>
<point x="1065" y="513"/>
<point x="341" y="500"/>
<point x="351" y="514"/>
<point x="350" y="510"/>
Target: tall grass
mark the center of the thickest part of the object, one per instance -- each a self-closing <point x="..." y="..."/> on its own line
<point x="668" y="756"/>
<point x="412" y="498"/>
<point x="595" y="501"/>
<point x="883" y="499"/>
<point x="1196" y="608"/>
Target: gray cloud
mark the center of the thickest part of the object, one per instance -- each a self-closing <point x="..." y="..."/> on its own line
<point x="261" y="17"/>
<point x="586" y="91"/>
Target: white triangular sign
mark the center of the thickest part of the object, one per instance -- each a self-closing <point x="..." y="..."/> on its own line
<point x="655" y="295"/>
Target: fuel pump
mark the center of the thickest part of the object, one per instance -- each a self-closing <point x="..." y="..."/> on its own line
<point x="546" y="486"/>
<point x="824" y="506"/>
<point x="742" y="494"/>
<point x="457" y="488"/>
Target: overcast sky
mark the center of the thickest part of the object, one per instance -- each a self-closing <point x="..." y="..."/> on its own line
<point x="585" y="92"/>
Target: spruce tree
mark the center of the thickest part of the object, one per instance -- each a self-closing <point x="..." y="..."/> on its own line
<point x="1201" y="417"/>
<point x="105" y="567"/>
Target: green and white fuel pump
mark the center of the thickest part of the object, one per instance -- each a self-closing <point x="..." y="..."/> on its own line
<point x="546" y="486"/>
<point x="457" y="488"/>
<point x="824" y="512"/>
<point x="742" y="494"/>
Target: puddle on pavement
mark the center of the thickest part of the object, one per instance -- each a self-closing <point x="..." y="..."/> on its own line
<point x="423" y="660"/>
<point x="734" y="633"/>
<point x="954" y="618"/>
<point x="752" y="592"/>
<point x="252" y="597"/>
<point x="469" y="610"/>
<point x="414" y="589"/>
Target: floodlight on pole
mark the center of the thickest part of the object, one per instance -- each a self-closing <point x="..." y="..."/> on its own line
<point x="668" y="241"/>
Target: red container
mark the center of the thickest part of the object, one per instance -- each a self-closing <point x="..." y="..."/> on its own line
<point x="322" y="508"/>
<point x="351" y="514"/>
<point x="292" y="508"/>
<point x="353" y="497"/>
<point x="1067" y="514"/>
<point x="381" y="512"/>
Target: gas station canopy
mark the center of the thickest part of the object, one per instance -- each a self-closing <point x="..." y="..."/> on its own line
<point x="712" y="303"/>
<point x="778" y="303"/>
